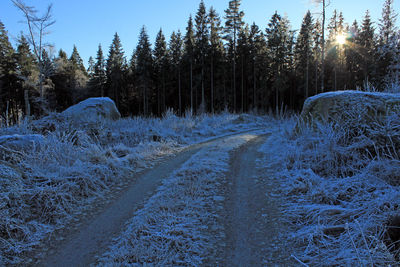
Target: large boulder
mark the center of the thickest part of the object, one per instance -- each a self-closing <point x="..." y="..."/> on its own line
<point x="350" y="106"/>
<point x="92" y="110"/>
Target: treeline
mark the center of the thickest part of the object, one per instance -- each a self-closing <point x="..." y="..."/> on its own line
<point x="211" y="66"/>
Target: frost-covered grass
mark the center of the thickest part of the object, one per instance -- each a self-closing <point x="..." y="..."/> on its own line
<point x="178" y="226"/>
<point x="341" y="184"/>
<point x="44" y="188"/>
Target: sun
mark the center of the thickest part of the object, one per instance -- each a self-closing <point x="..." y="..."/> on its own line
<point x="341" y="39"/>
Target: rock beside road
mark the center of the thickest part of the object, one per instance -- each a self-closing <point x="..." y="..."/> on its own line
<point x="93" y="109"/>
<point x="342" y="106"/>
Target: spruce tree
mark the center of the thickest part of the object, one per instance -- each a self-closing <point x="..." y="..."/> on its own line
<point x="234" y="22"/>
<point x="144" y="68"/>
<point x="257" y="46"/>
<point x="367" y="48"/>
<point x="176" y="53"/>
<point x="90" y="69"/>
<point x="387" y="47"/>
<point x="99" y="79"/>
<point x="189" y="56"/>
<point x="115" y="68"/>
<point x="303" y="51"/>
<point x="243" y="52"/>
<point x="279" y="44"/>
<point x="77" y="61"/>
<point x="216" y="52"/>
<point x="160" y="69"/>
<point x="201" y="47"/>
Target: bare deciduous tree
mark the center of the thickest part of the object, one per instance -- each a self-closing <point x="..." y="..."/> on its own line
<point x="38" y="28"/>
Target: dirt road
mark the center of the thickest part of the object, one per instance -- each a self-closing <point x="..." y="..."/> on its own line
<point x="252" y="216"/>
<point x="95" y="234"/>
<point x="254" y="219"/>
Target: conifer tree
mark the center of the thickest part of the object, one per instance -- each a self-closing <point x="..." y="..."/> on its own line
<point x="234" y="22"/>
<point x="144" y="68"/>
<point x="90" y="69"/>
<point x="303" y="51"/>
<point x="367" y="47"/>
<point x="279" y="41"/>
<point x="388" y="39"/>
<point x="161" y="70"/>
<point x="216" y="51"/>
<point x="27" y="70"/>
<point x="10" y="94"/>
<point x="257" y="46"/>
<point x="99" y="78"/>
<point x="243" y="49"/>
<point x="77" y="61"/>
<point x="115" y="68"/>
<point x="201" y="47"/>
<point x="189" y="55"/>
<point x="175" y="49"/>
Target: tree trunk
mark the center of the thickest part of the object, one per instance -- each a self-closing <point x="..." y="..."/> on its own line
<point x="191" y="86"/>
<point x="179" y="90"/>
<point x="254" y="85"/>
<point x="323" y="48"/>
<point x="242" y="85"/>
<point x="307" y="71"/>
<point x="212" y="85"/>
<point x="27" y="105"/>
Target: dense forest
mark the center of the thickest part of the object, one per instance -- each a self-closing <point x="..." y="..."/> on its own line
<point x="215" y="64"/>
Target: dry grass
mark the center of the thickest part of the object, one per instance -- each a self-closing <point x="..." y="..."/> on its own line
<point x="341" y="182"/>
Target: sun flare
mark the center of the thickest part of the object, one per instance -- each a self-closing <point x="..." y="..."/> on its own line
<point x="341" y="39"/>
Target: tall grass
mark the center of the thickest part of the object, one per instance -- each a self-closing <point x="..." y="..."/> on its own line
<point x="341" y="182"/>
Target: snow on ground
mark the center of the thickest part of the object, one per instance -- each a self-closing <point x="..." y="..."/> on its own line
<point x="44" y="189"/>
<point x="179" y="225"/>
<point x="340" y="192"/>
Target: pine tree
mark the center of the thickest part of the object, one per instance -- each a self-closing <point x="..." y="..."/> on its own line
<point x="189" y="55"/>
<point x="144" y="68"/>
<point x="161" y="70"/>
<point x="201" y="47"/>
<point x="176" y="53"/>
<point x="115" y="68"/>
<point x="234" y="22"/>
<point x="303" y="51"/>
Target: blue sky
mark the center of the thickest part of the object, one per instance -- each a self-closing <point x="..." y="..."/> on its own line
<point x="86" y="23"/>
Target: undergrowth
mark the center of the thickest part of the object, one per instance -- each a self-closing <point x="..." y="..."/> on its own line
<point x="341" y="183"/>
